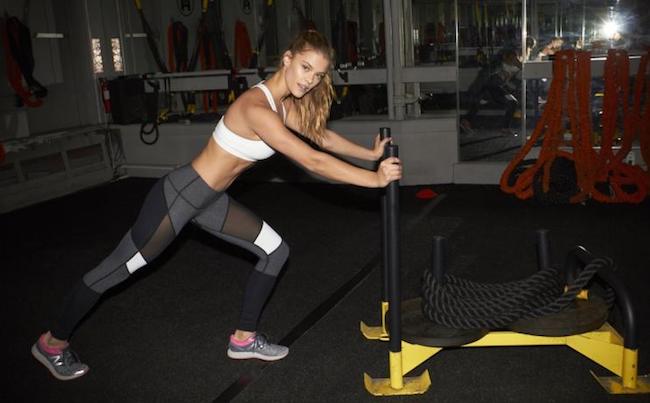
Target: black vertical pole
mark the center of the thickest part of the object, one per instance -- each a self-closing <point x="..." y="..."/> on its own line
<point x="543" y="250"/>
<point x="438" y="258"/>
<point x="394" y="290"/>
<point x="384" y="132"/>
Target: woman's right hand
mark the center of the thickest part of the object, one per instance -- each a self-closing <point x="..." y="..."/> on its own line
<point x="389" y="170"/>
<point x="378" y="147"/>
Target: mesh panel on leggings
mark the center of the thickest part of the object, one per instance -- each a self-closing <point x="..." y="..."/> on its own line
<point x="162" y="237"/>
<point x="241" y="223"/>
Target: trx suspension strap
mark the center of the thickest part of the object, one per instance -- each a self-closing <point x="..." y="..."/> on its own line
<point x="264" y="31"/>
<point x="219" y="49"/>
<point x="177" y="58"/>
<point x="215" y="33"/>
<point x="199" y="36"/>
<point x="153" y="46"/>
<point x="190" y="107"/>
<point x="299" y="22"/>
<point x="339" y="36"/>
<point x="177" y="46"/>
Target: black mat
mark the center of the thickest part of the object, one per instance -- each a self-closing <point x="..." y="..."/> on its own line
<point x="161" y="336"/>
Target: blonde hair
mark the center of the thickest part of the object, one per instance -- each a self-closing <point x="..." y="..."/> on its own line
<point x="314" y="107"/>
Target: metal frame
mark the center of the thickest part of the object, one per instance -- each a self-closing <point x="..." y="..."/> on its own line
<point x="605" y="346"/>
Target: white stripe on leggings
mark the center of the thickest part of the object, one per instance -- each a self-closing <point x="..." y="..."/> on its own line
<point x="135" y="262"/>
<point x="268" y="239"/>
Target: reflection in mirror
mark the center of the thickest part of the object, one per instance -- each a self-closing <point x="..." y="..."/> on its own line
<point x="485" y="27"/>
<point x="594" y="25"/>
<point x="537" y="94"/>
<point x="489" y="79"/>
<point x="355" y="28"/>
<point x="434" y="32"/>
<point x="357" y="33"/>
<point x="359" y="101"/>
<point x="438" y="96"/>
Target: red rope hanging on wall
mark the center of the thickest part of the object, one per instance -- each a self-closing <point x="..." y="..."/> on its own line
<point x="14" y="75"/>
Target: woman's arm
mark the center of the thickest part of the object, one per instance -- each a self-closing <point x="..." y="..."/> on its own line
<point x="268" y="126"/>
<point x="337" y="144"/>
<point x="334" y="142"/>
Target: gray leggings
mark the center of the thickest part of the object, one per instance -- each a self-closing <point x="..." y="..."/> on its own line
<point x="175" y="199"/>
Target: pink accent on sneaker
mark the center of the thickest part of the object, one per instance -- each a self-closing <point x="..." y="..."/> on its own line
<point x="48" y="349"/>
<point x="241" y="343"/>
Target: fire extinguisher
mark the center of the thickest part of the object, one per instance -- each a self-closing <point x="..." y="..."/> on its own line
<point x="106" y="94"/>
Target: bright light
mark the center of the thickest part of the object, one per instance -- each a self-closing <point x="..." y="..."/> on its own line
<point x="610" y="29"/>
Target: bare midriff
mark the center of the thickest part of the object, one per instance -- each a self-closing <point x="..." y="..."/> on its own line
<point x="217" y="167"/>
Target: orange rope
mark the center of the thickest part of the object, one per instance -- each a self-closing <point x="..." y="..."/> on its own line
<point x="583" y="151"/>
<point x="548" y="128"/>
<point x="570" y="93"/>
<point x="628" y="184"/>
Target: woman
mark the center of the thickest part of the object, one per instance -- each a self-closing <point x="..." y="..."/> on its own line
<point x="253" y="128"/>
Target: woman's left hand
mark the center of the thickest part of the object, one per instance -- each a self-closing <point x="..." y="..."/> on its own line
<point x="379" y="146"/>
<point x="389" y="170"/>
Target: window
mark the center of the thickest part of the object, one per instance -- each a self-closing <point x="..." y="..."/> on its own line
<point x="98" y="64"/>
<point x="116" y="48"/>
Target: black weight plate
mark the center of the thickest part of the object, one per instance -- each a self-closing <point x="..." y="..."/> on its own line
<point x="583" y="315"/>
<point x="417" y="329"/>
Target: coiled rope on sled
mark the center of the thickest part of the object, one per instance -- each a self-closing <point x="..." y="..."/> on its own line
<point x="463" y="304"/>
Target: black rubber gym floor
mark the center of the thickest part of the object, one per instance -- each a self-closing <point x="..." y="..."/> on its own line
<point x="162" y="336"/>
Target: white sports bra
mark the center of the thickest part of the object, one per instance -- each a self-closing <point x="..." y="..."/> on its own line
<point x="241" y="147"/>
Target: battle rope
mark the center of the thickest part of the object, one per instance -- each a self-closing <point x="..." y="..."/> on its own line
<point x="463" y="304"/>
<point x="603" y="175"/>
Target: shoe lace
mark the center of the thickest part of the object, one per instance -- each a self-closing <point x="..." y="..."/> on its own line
<point x="69" y="357"/>
<point x="261" y="341"/>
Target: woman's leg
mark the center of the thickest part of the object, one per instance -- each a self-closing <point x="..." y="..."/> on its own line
<point x="170" y="204"/>
<point x="232" y="222"/>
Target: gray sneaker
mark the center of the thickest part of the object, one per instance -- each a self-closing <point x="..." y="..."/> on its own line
<point x="259" y="348"/>
<point x="64" y="366"/>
